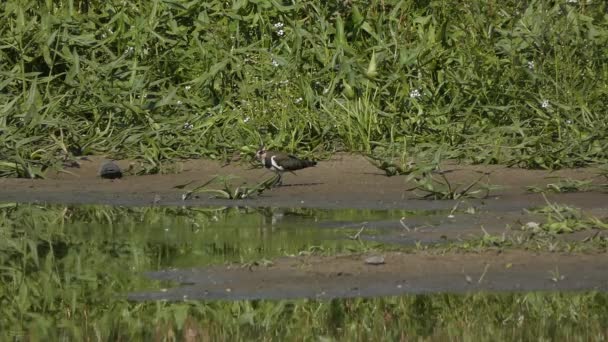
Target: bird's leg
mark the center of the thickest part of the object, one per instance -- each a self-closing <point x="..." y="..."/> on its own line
<point x="279" y="180"/>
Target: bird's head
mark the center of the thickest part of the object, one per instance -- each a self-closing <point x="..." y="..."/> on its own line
<point x="261" y="153"/>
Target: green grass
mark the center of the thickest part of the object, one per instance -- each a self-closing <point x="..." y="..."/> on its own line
<point x="65" y="272"/>
<point x="516" y="82"/>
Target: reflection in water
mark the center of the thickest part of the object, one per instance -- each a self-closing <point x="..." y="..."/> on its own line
<point x="65" y="271"/>
<point x="184" y="237"/>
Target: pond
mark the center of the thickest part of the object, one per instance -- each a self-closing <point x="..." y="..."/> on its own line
<point x="68" y="273"/>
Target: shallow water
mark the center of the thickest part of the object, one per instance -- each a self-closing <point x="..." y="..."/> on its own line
<point x="66" y="271"/>
<point x="188" y="237"/>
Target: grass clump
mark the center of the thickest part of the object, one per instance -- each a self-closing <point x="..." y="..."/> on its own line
<point x="520" y="83"/>
<point x="229" y="191"/>
<point x="564" y="219"/>
<point x="567" y="185"/>
<point x="433" y="184"/>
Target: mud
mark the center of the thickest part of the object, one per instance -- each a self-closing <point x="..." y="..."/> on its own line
<point x="351" y="182"/>
<point x="344" y="181"/>
<point x="349" y="276"/>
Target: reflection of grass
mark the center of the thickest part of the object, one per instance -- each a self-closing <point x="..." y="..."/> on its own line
<point x="65" y="270"/>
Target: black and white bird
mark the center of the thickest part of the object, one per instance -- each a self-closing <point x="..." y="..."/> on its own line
<point x="280" y="162"/>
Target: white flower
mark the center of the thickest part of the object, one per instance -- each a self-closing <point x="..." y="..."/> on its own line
<point x="530" y="65"/>
<point x="545" y="104"/>
<point x="325" y="91"/>
<point x="187" y="87"/>
<point x="414" y="94"/>
<point x="188" y="126"/>
<point x="129" y="50"/>
<point x="246" y="119"/>
<point x="298" y="100"/>
<point x="103" y="36"/>
<point x="569" y="122"/>
<point x="275" y="63"/>
<point x="179" y="102"/>
<point x="278" y="25"/>
<point x="280" y="33"/>
<point x="532" y="225"/>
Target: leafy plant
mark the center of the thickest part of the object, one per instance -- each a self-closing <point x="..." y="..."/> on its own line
<point x="564" y="219"/>
<point x="435" y="185"/>
<point x="229" y="190"/>
<point x="566" y="185"/>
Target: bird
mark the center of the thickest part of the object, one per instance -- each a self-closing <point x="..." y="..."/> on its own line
<point x="280" y="162"/>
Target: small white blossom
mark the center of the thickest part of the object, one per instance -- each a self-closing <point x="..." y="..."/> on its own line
<point x="569" y="122"/>
<point x="545" y="104"/>
<point x="414" y="94"/>
<point x="188" y="126"/>
<point x="179" y="102"/>
<point x="325" y="91"/>
<point x="129" y="50"/>
<point x="532" y="225"/>
<point x="298" y="100"/>
<point x="278" y="25"/>
<point x="280" y="33"/>
<point x="531" y="65"/>
<point x="275" y="63"/>
<point x="246" y="119"/>
<point x="104" y="36"/>
<point x="188" y="87"/>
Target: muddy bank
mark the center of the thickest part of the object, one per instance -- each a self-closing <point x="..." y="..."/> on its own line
<point x="344" y="181"/>
<point x="350" y="276"/>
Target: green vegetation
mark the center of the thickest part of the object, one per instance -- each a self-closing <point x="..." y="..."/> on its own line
<point x="229" y="191"/>
<point x="435" y="185"/>
<point x="66" y="270"/>
<point x="568" y="185"/>
<point x="516" y="82"/>
<point x="552" y="234"/>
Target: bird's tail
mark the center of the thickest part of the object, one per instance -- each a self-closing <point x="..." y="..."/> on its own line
<point x="309" y="163"/>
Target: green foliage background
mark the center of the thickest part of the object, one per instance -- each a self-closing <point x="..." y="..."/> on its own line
<point x="517" y="82"/>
